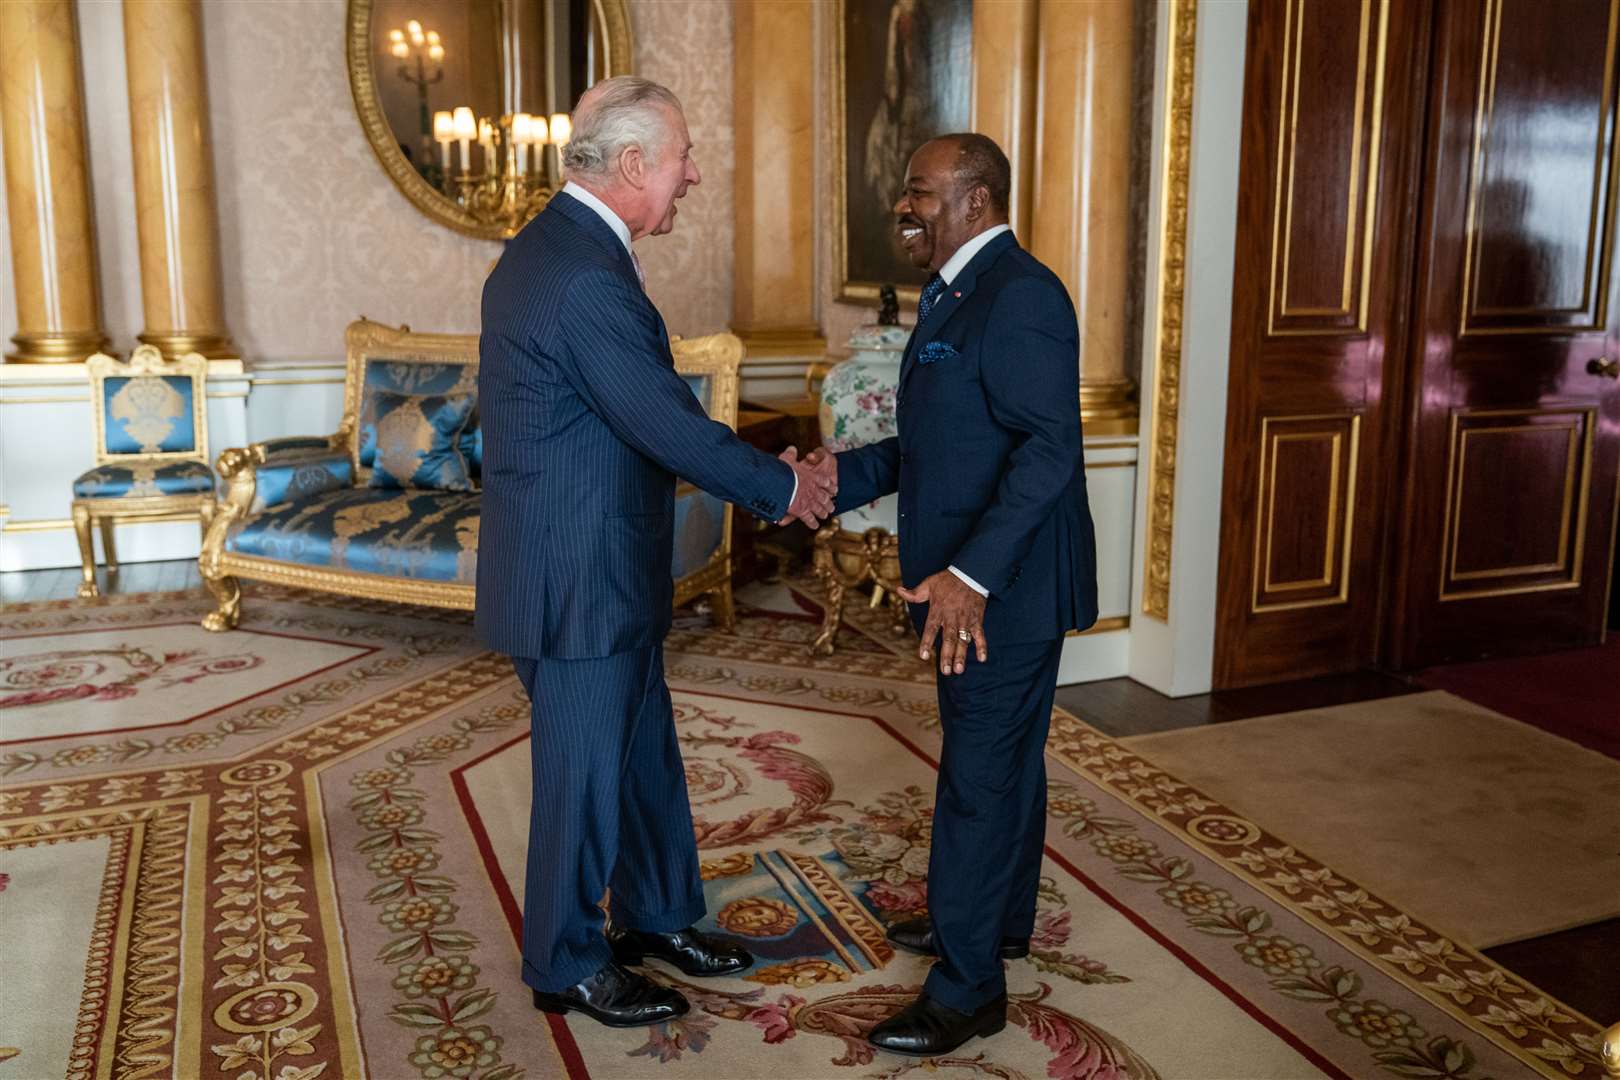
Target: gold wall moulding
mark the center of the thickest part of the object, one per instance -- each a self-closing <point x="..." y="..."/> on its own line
<point x="501" y="60"/>
<point x="1178" y="102"/>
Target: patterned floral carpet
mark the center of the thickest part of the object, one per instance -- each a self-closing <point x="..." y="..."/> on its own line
<point x="295" y="851"/>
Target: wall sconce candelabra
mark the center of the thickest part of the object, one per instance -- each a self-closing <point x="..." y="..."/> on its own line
<point x="423" y="45"/>
<point x="508" y="188"/>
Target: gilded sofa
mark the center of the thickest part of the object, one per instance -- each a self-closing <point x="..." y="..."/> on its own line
<point x="309" y="511"/>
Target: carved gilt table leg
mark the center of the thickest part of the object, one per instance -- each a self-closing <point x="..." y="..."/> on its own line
<point x="843" y="561"/>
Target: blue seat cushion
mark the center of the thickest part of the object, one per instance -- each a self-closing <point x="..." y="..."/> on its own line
<point x="139" y="480"/>
<point x="411" y="533"/>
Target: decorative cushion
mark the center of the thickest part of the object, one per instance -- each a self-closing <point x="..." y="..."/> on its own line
<point x="700" y="521"/>
<point x="296" y="475"/>
<point x="419" y="441"/>
<point x="148" y="414"/>
<point x="423" y="379"/>
<point x="426" y="535"/>
<point x="139" y="480"/>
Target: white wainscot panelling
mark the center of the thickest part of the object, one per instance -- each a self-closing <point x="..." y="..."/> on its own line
<point x="295" y="398"/>
<point x="1104" y="653"/>
<point x="47" y="440"/>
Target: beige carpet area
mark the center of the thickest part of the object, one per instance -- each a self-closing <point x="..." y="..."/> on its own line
<point x="1486" y="827"/>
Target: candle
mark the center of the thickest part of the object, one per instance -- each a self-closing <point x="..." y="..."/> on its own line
<point x="400" y="49"/>
<point x="444" y="131"/>
<point x="520" y="140"/>
<point x="465" y="127"/>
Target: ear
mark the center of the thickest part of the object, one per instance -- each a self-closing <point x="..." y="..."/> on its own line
<point x="978" y="201"/>
<point x="633" y="166"/>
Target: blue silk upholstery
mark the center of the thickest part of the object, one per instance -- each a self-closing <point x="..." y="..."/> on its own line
<point x="422" y="535"/>
<point x="421" y="379"/>
<point x="143" y="480"/>
<point x="700" y="520"/>
<point x="417" y="441"/>
<point x="148" y="414"/>
<point x="298" y="474"/>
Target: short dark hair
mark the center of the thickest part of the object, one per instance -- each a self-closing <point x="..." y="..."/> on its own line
<point x="980" y="161"/>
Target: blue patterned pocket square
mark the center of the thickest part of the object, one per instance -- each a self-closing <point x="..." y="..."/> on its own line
<point x="936" y="350"/>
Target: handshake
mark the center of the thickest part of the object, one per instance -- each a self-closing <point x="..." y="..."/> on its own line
<point x="817" y="474"/>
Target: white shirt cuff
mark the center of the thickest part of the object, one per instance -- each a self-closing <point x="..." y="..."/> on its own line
<point x="795" y="496"/>
<point x="970" y="583"/>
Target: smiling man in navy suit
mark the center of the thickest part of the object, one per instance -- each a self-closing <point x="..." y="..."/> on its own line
<point x="999" y="559"/>
<point x="586" y="426"/>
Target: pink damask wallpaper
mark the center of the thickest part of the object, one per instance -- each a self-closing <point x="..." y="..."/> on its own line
<point x="313" y="232"/>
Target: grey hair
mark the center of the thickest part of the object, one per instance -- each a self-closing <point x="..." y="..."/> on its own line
<point x="625" y="111"/>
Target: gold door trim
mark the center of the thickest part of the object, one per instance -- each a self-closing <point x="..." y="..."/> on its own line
<point x="1576" y="497"/>
<point x="1265" y="512"/>
<point x="1277" y="306"/>
<point x="1171" y="287"/>
<point x="1596" y="305"/>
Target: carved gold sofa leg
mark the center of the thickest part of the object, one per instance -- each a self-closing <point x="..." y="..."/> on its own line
<point x="1611" y="1052"/>
<point x="236" y="466"/>
<point x="228" y="591"/>
<point x="87" y="551"/>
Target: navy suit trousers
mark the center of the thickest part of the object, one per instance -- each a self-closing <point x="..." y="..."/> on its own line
<point x="609" y="811"/>
<point x="984" y="864"/>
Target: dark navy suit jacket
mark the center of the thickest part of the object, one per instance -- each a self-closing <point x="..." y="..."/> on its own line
<point x="988" y="457"/>
<point x="586" y="425"/>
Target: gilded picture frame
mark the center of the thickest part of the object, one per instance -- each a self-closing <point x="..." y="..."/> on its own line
<point x="878" y="75"/>
<point x="614" y="18"/>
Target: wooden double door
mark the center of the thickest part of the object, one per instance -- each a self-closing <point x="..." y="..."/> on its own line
<point x="1424" y="421"/>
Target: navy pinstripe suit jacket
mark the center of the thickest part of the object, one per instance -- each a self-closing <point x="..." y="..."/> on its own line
<point x="988" y="461"/>
<point x="586" y="425"/>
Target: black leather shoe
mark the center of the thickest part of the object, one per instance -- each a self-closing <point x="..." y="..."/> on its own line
<point x="617" y="998"/>
<point x="916" y="935"/>
<point x="695" y="953"/>
<point x="925" y="1028"/>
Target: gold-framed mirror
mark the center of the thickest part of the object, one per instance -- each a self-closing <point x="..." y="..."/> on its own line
<point x="465" y="102"/>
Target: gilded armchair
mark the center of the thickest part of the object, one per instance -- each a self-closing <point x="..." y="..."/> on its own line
<point x="308" y="511"/>
<point x="151" y="453"/>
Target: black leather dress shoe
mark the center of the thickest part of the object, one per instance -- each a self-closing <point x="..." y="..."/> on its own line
<point x="695" y="953"/>
<point x="617" y="998"/>
<point x="916" y="935"/>
<point x="925" y="1028"/>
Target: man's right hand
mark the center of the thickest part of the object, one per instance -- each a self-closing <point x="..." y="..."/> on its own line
<point x="817" y="477"/>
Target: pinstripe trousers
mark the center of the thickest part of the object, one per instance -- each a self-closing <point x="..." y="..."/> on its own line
<point x="609" y="810"/>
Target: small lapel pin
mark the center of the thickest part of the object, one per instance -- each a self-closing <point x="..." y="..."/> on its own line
<point x="957" y="295"/>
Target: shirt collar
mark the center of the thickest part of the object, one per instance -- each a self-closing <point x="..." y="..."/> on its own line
<point x="605" y="212"/>
<point x="965" y="253"/>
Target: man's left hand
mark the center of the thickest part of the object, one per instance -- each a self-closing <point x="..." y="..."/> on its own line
<point x="952" y="608"/>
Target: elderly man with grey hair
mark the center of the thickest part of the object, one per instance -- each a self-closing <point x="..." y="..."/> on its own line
<point x="586" y="427"/>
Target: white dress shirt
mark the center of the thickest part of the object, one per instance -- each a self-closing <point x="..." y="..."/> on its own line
<point x="622" y="231"/>
<point x="953" y="266"/>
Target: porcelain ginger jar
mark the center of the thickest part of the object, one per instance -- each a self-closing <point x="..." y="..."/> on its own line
<point x="857" y="408"/>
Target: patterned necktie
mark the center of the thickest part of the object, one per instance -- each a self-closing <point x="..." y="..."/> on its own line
<point x="930" y="295"/>
<point x="641" y="277"/>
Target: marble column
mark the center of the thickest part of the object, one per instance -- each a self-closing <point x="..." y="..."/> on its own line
<point x="1080" y="217"/>
<point x="1004" y="70"/>
<point x="175" y="210"/>
<point x="53" y="243"/>
<point x="773" y="295"/>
